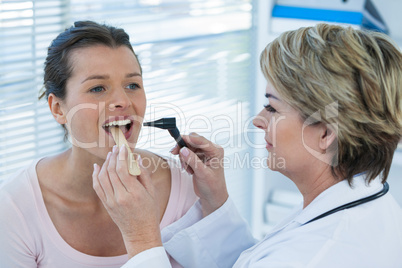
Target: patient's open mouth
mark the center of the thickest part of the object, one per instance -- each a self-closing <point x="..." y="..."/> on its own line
<point x="125" y="125"/>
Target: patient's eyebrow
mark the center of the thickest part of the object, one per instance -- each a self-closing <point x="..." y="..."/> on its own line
<point x="132" y="75"/>
<point x="105" y="77"/>
<point x="96" y="77"/>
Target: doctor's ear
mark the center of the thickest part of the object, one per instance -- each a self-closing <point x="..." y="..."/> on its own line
<point x="56" y="108"/>
<point x="328" y="136"/>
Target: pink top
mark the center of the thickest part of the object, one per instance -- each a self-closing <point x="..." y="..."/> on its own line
<point x="28" y="237"/>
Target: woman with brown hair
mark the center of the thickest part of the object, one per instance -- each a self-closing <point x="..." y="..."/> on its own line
<point x="51" y="215"/>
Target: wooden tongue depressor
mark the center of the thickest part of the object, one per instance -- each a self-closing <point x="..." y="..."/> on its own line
<point x="120" y="140"/>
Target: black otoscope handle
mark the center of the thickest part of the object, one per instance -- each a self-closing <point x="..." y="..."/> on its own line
<point x="175" y="133"/>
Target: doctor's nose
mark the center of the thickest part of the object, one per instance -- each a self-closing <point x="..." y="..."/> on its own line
<point x="261" y="121"/>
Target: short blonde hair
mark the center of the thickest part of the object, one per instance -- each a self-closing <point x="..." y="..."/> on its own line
<point x="360" y="71"/>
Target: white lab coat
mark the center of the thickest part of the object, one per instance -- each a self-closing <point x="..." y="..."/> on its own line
<point x="369" y="235"/>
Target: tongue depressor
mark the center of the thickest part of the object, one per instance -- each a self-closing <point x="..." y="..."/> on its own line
<point x="120" y="140"/>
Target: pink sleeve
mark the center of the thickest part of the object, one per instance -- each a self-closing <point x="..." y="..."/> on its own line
<point x="17" y="248"/>
<point x="182" y="195"/>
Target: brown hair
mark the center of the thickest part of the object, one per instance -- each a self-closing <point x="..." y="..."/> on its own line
<point x="82" y="34"/>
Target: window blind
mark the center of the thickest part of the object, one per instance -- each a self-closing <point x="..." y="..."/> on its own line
<point x="27" y="129"/>
<point x="196" y="59"/>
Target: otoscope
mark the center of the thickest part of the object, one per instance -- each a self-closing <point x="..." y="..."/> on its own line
<point x="168" y="123"/>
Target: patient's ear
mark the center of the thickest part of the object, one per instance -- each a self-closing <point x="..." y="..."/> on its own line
<point x="328" y="136"/>
<point x="56" y="108"/>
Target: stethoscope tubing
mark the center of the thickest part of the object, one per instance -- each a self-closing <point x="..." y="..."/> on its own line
<point x="352" y="204"/>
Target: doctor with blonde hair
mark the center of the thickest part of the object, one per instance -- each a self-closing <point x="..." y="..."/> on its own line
<point x="334" y="114"/>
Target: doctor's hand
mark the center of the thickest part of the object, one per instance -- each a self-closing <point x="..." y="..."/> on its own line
<point x="129" y="200"/>
<point x="204" y="160"/>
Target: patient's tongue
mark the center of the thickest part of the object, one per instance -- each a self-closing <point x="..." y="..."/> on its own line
<point x="123" y="128"/>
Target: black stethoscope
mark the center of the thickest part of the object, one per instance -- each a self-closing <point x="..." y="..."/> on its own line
<point x="354" y="203"/>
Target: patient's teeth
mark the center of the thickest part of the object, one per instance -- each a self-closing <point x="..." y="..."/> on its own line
<point x="118" y="123"/>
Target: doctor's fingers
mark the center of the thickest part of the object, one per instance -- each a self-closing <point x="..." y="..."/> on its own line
<point x="145" y="179"/>
<point x="186" y="167"/>
<point x="200" y="145"/>
<point x="104" y="181"/>
<point x="203" y="145"/>
<point x="96" y="184"/>
<point x="121" y="168"/>
<point x="192" y="163"/>
<point x="117" y="161"/>
<point x="130" y="182"/>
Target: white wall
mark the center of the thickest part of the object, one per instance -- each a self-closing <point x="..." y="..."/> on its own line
<point x="390" y="11"/>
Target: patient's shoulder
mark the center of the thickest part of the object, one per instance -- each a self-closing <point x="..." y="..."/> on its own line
<point x="153" y="162"/>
